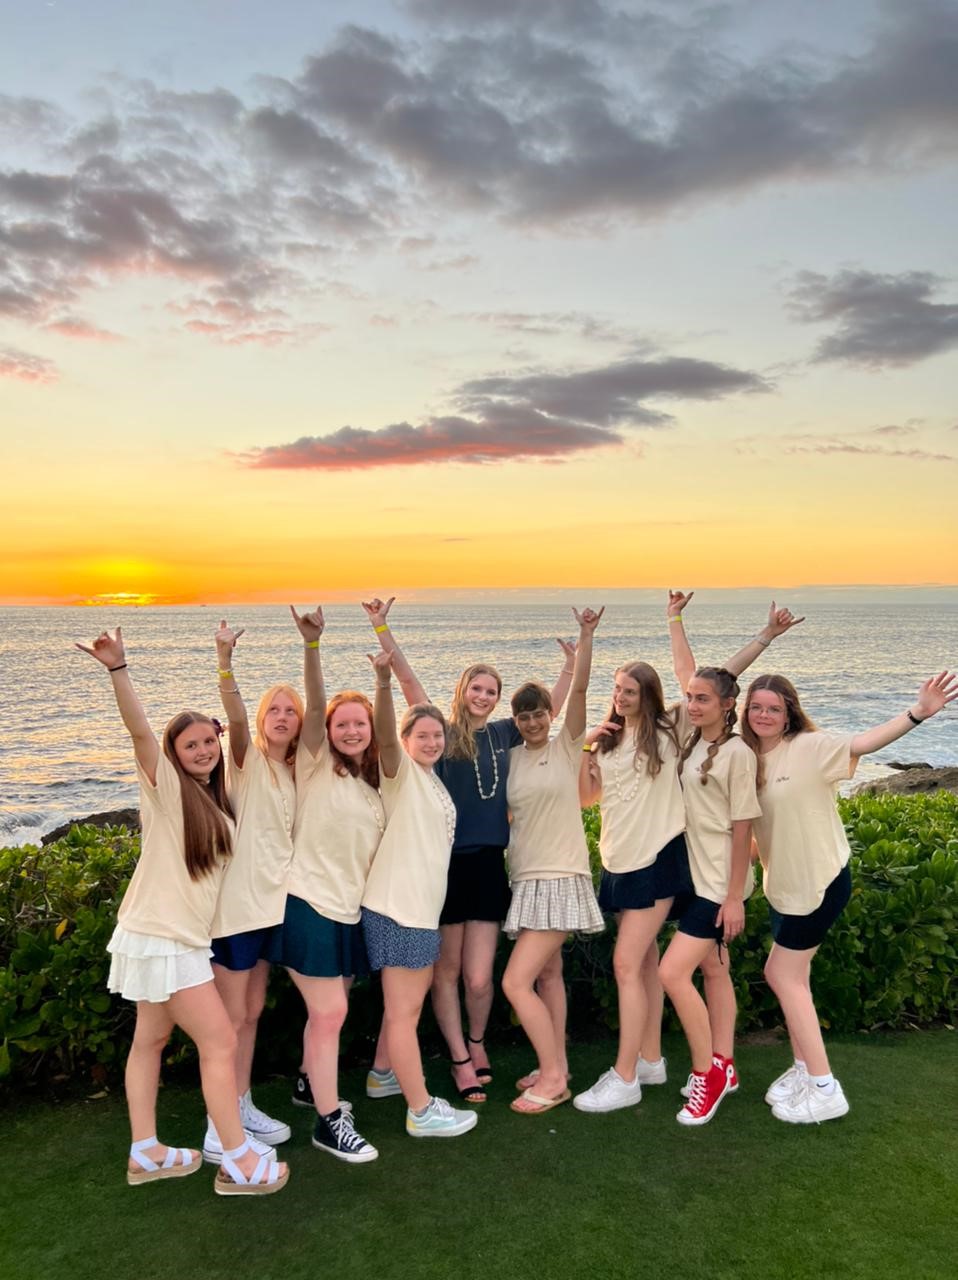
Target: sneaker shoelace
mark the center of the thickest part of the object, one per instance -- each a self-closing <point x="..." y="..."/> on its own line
<point x="344" y="1133"/>
<point x="256" y="1118"/>
<point x="698" y="1090"/>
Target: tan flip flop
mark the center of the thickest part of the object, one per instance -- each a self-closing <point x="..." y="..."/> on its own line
<point x="540" y="1104"/>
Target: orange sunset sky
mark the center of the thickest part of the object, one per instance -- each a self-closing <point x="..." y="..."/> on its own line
<point x="423" y="295"/>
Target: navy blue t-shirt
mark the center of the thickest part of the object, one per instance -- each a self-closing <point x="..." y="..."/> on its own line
<point x="481" y="823"/>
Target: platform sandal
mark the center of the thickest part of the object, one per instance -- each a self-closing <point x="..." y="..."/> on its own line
<point x="150" y="1171"/>
<point x="265" y="1179"/>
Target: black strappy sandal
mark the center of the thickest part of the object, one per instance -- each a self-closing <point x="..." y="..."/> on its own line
<point x="483" y="1074"/>
<point x="471" y="1092"/>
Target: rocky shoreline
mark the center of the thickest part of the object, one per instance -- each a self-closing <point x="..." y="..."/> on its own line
<point x="907" y="780"/>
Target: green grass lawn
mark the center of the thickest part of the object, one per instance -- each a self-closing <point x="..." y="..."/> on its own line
<point x="561" y="1195"/>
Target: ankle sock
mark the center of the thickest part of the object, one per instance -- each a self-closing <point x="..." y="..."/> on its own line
<point x="419" y="1114"/>
<point x="380" y="1072"/>
<point x="825" y="1084"/>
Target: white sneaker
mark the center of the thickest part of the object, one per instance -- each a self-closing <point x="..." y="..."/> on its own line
<point x="260" y="1125"/>
<point x="213" y="1148"/>
<point x="650" y="1072"/>
<point x="808" y="1104"/>
<point x="440" y="1121"/>
<point x="782" y="1088"/>
<point x="609" y="1093"/>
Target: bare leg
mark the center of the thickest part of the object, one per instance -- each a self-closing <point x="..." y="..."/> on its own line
<point x="404" y="991"/>
<point x="200" y="1012"/>
<point x="788" y="973"/>
<point x="445" y="1001"/>
<point x="478" y="960"/>
<point x="720" y="998"/>
<point x="325" y="1000"/>
<point x="637" y="929"/>
<point x="153" y="1027"/>
<point x="533" y="950"/>
<point x="243" y="993"/>
<point x="551" y="988"/>
<point x="381" y="1056"/>
<point x="683" y="957"/>
<point x="654" y="1003"/>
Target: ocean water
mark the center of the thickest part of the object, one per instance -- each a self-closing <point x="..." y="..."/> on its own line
<point x="65" y="754"/>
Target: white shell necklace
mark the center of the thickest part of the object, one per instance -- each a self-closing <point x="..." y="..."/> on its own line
<point x="495" y="766"/>
<point x="448" y="807"/>
<point x="625" y="795"/>
<point x="375" y="807"/>
<point x="287" y="820"/>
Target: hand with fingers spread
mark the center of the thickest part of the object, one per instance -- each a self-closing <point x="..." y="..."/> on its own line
<point x="568" y="648"/>
<point x="677" y="602"/>
<point x="588" y="619"/>
<point x="781" y="620"/>
<point x="607" y="729"/>
<point x="107" y="649"/>
<point x="935" y="694"/>
<point x="377" y="610"/>
<point x="311" y="625"/>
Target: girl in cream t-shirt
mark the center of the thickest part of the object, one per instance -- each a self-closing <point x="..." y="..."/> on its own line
<point x="339" y="823"/>
<point x="160" y="949"/>
<point x="549" y="870"/>
<point x="804" y="853"/>
<point x="405" y="891"/>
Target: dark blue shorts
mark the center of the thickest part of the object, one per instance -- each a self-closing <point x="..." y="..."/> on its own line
<point x="697" y="918"/>
<point x="242" y="951"/>
<point x="317" y="947"/>
<point x="802" y="933"/>
<point x="667" y="877"/>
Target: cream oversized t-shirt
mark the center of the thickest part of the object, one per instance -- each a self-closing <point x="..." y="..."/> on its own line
<point x="640" y="813"/>
<point x="407" y="881"/>
<point x="339" y="824"/>
<point x="728" y="796"/>
<point x="800" y="836"/>
<point x="253" y="893"/>
<point x="161" y="899"/>
<point x="546" y="839"/>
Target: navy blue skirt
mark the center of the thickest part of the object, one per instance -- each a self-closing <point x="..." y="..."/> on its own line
<point x="667" y="877"/>
<point x="398" y="946"/>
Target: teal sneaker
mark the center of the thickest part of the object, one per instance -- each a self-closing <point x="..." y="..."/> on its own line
<point x="440" y="1121"/>
<point x="382" y="1084"/>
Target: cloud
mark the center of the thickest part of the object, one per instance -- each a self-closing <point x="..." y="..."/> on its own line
<point x="867" y="443"/>
<point x="24" y="367"/>
<point x="75" y="327"/>
<point x="547" y="417"/>
<point x="881" y="319"/>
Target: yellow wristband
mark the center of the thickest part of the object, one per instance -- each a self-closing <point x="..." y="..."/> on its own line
<point x="312" y="644"/>
<point x="587" y="750"/>
<point x="225" y="675"/>
<point x="380" y="630"/>
<point x="676" y="617"/>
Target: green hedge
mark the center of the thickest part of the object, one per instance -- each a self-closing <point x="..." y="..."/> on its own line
<point x="890" y="961"/>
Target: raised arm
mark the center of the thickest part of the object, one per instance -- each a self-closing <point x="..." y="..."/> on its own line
<point x="311" y="627"/>
<point x="683" y="663"/>
<point x="377" y="611"/>
<point x="779" y="621"/>
<point x="933" y="696"/>
<point x="560" y="689"/>
<point x="588" y="620"/>
<point x="109" y="651"/>
<point x="384" y="714"/>
<point x="230" y="696"/>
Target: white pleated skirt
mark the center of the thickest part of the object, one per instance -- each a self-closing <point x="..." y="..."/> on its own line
<point x="145" y="967"/>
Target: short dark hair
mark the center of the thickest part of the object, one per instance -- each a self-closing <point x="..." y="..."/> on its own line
<point x="531" y="696"/>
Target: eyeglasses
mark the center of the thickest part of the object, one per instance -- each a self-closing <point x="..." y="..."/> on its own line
<point x="755" y="710"/>
<point x="532" y="717"/>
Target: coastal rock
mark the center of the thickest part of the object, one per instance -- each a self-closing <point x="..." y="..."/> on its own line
<point x="114" y="818"/>
<point x="909" y="764"/>
<point x="913" y="781"/>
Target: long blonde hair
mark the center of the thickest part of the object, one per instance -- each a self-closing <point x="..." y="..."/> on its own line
<point x="260" y="741"/>
<point x="461" y="737"/>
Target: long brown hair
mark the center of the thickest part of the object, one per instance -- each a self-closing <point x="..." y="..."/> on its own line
<point x="652" y="718"/>
<point x="726" y="686"/>
<point x="206" y="807"/>
<point x="796" y="720"/>
<point x="274" y="691"/>
<point x="367" y="767"/>
<point x="460" y="735"/>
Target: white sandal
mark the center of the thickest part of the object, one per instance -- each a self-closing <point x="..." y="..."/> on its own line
<point x="150" y="1171"/>
<point x="232" y="1181"/>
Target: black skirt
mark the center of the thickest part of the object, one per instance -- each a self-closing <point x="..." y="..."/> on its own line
<point x="477" y="888"/>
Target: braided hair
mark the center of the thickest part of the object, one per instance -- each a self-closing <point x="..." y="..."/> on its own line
<point x="725" y="686"/>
